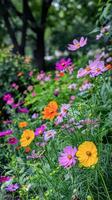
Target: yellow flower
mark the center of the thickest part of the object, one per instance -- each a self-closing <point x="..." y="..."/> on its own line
<point x="87" y="154"/>
<point x="27" y="137"/>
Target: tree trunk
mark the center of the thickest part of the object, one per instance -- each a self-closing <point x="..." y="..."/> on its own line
<point x="39" y="52"/>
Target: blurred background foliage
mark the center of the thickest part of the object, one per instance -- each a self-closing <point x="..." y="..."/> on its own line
<point x="43" y="28"/>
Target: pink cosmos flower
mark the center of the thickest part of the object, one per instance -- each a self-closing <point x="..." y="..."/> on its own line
<point x="4" y="179"/>
<point x="97" y="67"/>
<point x="7" y="132"/>
<point x="10" y="101"/>
<point x="40" y="130"/>
<point x="12" y="187"/>
<point x="64" y="109"/>
<point x="72" y="98"/>
<point x="67" y="157"/>
<point x="77" y="44"/>
<point x="13" y="140"/>
<point x="81" y="73"/>
<point x="63" y="64"/>
<point x="49" y="134"/>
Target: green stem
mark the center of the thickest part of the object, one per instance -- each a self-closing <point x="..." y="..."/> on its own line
<point x="106" y="190"/>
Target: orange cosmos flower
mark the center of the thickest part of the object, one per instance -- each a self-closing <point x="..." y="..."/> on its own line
<point x="27" y="137"/>
<point x="23" y="124"/>
<point x="50" y="111"/>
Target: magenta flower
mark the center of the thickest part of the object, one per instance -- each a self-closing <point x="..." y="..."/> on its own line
<point x="77" y="44"/>
<point x="49" y="134"/>
<point x="23" y="110"/>
<point x="4" y="179"/>
<point x="63" y="64"/>
<point x="7" y="132"/>
<point x="7" y="97"/>
<point x="40" y="130"/>
<point x="13" y="140"/>
<point x="67" y="157"/>
<point x="12" y="187"/>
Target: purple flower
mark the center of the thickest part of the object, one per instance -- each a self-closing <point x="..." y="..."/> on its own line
<point x="49" y="134"/>
<point x="7" y="132"/>
<point x="13" y="140"/>
<point x="63" y="64"/>
<point x="64" y="109"/>
<point x="85" y="86"/>
<point x="35" y="115"/>
<point x="77" y="44"/>
<point x="4" y="179"/>
<point x="72" y="86"/>
<point x="40" y="130"/>
<point x="34" y="155"/>
<point x="67" y="157"/>
<point x="12" y="187"/>
<point x="23" y="110"/>
<point x="41" y="144"/>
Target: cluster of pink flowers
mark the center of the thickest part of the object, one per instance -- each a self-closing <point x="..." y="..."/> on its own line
<point x="77" y="44"/>
<point x="15" y="86"/>
<point x="8" y="99"/>
<point x="43" y="77"/>
<point x="95" y="68"/>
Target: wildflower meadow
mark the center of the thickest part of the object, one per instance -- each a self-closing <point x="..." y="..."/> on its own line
<point x="56" y="124"/>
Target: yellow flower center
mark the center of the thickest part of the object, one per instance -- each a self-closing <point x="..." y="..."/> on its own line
<point x="63" y="64"/>
<point x="78" y="44"/>
<point x="88" y="153"/>
<point x="69" y="157"/>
